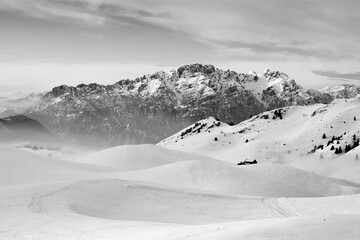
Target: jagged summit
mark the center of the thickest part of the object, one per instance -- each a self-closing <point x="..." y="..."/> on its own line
<point x="187" y="70"/>
<point x="270" y="75"/>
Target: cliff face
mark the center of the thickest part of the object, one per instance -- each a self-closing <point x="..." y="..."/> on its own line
<point x="152" y="107"/>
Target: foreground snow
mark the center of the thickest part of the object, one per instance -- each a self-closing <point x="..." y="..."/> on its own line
<point x="147" y="192"/>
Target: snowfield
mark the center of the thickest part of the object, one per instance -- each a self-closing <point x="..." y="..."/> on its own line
<point x="149" y="192"/>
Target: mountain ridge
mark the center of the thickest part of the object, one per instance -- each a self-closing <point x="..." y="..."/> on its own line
<point x="154" y="106"/>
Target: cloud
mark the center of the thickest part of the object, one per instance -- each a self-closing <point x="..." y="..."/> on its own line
<point x="293" y="48"/>
<point x="82" y="11"/>
<point x="230" y="30"/>
<point x="334" y="74"/>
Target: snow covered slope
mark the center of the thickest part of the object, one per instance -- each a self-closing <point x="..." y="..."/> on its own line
<point x="176" y="196"/>
<point x="301" y="136"/>
<point x="298" y="178"/>
<point x="135" y="157"/>
<point x="187" y="170"/>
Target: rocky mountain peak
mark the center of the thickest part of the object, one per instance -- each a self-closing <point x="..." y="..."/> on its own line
<point x="61" y="90"/>
<point x="191" y="69"/>
<point x="271" y="75"/>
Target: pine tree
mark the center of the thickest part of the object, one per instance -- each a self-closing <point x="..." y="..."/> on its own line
<point x="356" y="143"/>
<point x="339" y="150"/>
<point x="324" y="136"/>
<point x="347" y="148"/>
<point x="332" y="147"/>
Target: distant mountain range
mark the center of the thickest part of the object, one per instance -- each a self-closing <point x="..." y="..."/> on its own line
<point x="10" y="106"/>
<point x="343" y="91"/>
<point x="153" y="107"/>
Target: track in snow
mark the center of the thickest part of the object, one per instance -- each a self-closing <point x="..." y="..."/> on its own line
<point x="279" y="209"/>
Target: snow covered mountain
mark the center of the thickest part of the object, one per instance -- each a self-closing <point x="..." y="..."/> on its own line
<point x="322" y="137"/>
<point x="152" y="107"/>
<point x="343" y="91"/>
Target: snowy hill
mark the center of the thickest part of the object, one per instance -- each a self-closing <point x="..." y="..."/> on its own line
<point x="172" y="195"/>
<point x="152" y="107"/>
<point x="301" y="136"/>
<point x="135" y="157"/>
<point x="154" y="164"/>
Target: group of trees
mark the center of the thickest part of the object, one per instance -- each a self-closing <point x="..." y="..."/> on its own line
<point x="338" y="150"/>
<point x="189" y="130"/>
<point x="355" y="143"/>
<point x="336" y="139"/>
<point x="348" y="147"/>
<point x="333" y="139"/>
<point x="277" y="113"/>
<point x="194" y="129"/>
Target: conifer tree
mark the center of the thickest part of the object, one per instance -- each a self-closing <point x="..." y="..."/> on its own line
<point x="347" y="148"/>
<point x="339" y="150"/>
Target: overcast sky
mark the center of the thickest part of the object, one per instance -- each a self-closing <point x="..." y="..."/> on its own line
<point x="45" y="43"/>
